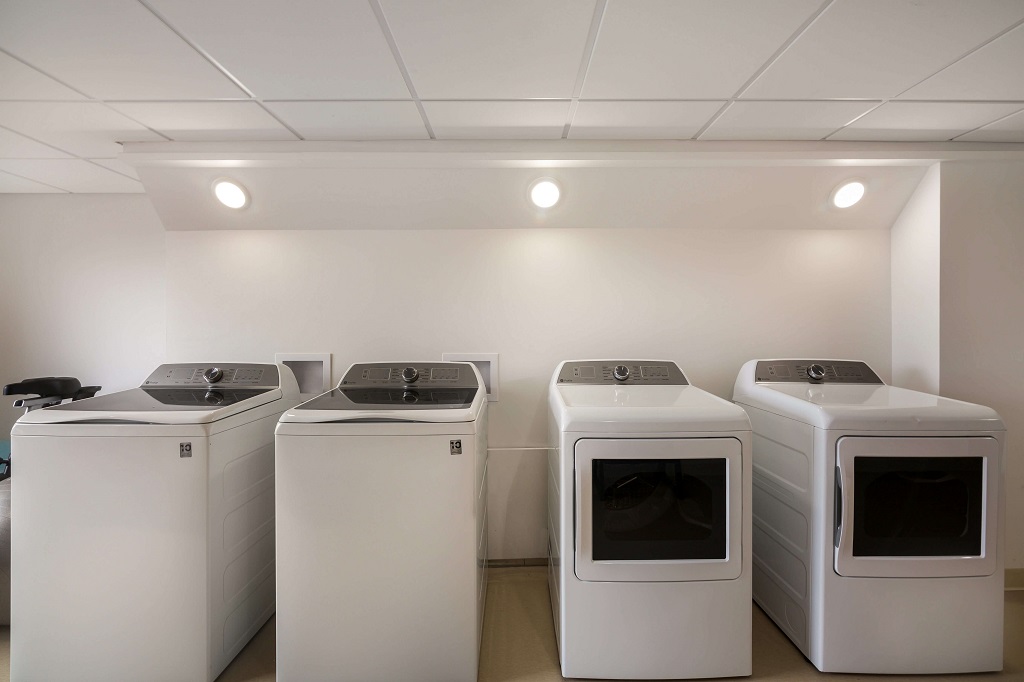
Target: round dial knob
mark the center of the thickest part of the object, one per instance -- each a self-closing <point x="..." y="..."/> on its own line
<point x="213" y="375"/>
<point x="816" y="372"/>
<point x="620" y="372"/>
<point x="410" y="374"/>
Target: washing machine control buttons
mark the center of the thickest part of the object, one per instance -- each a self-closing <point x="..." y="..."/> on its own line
<point x="410" y="375"/>
<point x="816" y="372"/>
<point x="621" y="372"/>
<point x="213" y="375"/>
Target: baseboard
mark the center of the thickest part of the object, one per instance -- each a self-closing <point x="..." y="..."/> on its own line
<point x="514" y="563"/>
<point x="1014" y="578"/>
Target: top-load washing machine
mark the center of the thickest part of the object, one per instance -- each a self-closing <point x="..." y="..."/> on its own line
<point x="877" y="519"/>
<point x="143" y="526"/>
<point x="381" y="526"/>
<point x="649" y="524"/>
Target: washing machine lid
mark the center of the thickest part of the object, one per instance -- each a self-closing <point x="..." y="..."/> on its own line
<point x="440" y="392"/>
<point x="850" y="396"/>
<point x="184" y="393"/>
<point x="651" y="396"/>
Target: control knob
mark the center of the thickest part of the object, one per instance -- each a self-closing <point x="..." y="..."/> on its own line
<point x="620" y="372"/>
<point x="816" y="372"/>
<point x="410" y="375"/>
<point x="213" y="375"/>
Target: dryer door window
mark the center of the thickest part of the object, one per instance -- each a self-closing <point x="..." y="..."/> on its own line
<point x="658" y="509"/>
<point x="916" y="507"/>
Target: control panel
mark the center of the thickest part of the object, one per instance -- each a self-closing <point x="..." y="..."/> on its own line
<point x="226" y="375"/>
<point x="815" y="372"/>
<point x="444" y="375"/>
<point x="627" y="372"/>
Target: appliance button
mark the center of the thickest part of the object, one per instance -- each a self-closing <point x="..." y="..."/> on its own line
<point x="620" y="372"/>
<point x="213" y="375"/>
<point x="816" y="372"/>
<point x="410" y="374"/>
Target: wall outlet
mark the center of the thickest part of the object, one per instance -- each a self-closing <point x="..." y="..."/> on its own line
<point x="487" y="363"/>
<point x="312" y="370"/>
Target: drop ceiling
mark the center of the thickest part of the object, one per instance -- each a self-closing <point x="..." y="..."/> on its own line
<point x="77" y="79"/>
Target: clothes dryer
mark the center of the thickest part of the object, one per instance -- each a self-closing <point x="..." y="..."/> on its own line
<point x="877" y="519"/>
<point x="143" y="526"/>
<point x="381" y="527"/>
<point x="649" y="524"/>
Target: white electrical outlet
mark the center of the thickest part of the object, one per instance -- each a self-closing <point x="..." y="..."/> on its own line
<point x="487" y="363"/>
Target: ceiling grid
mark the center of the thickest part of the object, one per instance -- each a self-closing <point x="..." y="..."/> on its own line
<point x="77" y="79"/>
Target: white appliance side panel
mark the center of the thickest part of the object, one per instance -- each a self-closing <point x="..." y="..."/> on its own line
<point x="241" y="532"/>
<point x="376" y="559"/>
<point x="109" y="560"/>
<point x="784" y="480"/>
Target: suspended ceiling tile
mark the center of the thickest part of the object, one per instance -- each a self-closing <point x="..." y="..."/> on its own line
<point x="699" y="49"/>
<point x="23" y="82"/>
<point x="923" y="121"/>
<point x="993" y="72"/>
<point x="87" y="129"/>
<point x="206" y="121"/>
<point x="524" y="120"/>
<point x="72" y="175"/>
<point x="1009" y="129"/>
<point x="117" y="166"/>
<point x="876" y="49"/>
<point x="301" y="49"/>
<point x="352" y="120"/>
<point x="784" y="120"/>
<point x="109" y="49"/>
<point x="12" y="184"/>
<point x="466" y="49"/>
<point x="639" y="120"/>
<point x="15" y="146"/>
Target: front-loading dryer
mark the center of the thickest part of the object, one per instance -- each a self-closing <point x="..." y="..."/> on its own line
<point x="143" y="526"/>
<point x="877" y="519"/>
<point x="381" y="527"/>
<point x="649" y="524"/>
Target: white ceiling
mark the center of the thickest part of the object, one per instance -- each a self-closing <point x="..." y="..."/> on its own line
<point x="78" y="78"/>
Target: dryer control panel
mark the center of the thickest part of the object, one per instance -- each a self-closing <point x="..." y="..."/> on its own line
<point x="419" y="374"/>
<point x="630" y="372"/>
<point x="815" y="372"/>
<point x="226" y="375"/>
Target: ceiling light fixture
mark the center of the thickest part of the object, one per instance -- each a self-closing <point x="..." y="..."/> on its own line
<point x="847" y="194"/>
<point x="230" y="193"/>
<point x="545" y="192"/>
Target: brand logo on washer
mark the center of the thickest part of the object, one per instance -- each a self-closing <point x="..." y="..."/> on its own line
<point x="456" y="446"/>
<point x="184" y="450"/>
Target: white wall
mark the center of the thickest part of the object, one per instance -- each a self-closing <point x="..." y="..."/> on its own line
<point x="982" y="285"/>
<point x="915" y="289"/>
<point x="81" y="290"/>
<point x="709" y="299"/>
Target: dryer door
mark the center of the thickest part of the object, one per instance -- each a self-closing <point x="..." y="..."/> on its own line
<point x="916" y="507"/>
<point x="658" y="509"/>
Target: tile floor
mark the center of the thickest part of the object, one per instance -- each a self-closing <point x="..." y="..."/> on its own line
<point x="519" y="642"/>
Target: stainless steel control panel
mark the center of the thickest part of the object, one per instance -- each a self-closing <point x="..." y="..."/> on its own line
<point x="226" y="374"/>
<point x="815" y="372"/>
<point x="419" y="374"/>
<point x="632" y="372"/>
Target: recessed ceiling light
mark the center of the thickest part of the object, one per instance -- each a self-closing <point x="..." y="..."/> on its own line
<point x="230" y="193"/>
<point x="847" y="194"/>
<point x="544" y="193"/>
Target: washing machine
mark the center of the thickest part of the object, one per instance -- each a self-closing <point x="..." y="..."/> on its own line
<point x="382" y="526"/>
<point x="649" y="524"/>
<point x="877" y="519"/>
<point x="143" y="526"/>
